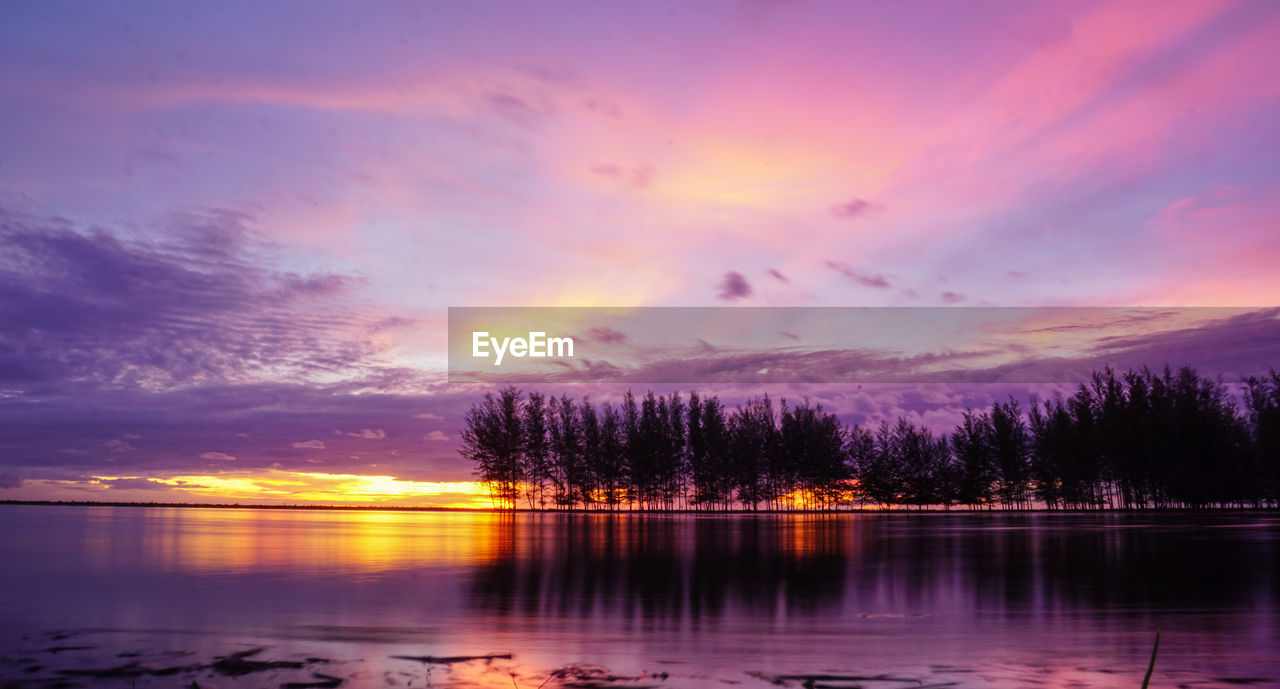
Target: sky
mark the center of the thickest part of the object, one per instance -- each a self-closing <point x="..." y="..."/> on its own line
<point x="229" y="233"/>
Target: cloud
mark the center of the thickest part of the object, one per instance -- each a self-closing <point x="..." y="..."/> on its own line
<point x="219" y="456"/>
<point x="175" y="421"/>
<point x="370" y="434"/>
<point x="179" y="425"/>
<point x="117" y="445"/>
<point x="602" y="107"/>
<point x="865" y="279"/>
<point x="1228" y="345"/>
<point x="639" y="176"/>
<point x="200" y="331"/>
<point x="135" y="483"/>
<point x="513" y="108"/>
<point x="777" y="275"/>
<point x="853" y="208"/>
<point x="734" y="286"/>
<point x="11" y="481"/>
<point x="953" y="297"/>
<point x="1243" y="344"/>
<point x="607" y="335"/>
<point x="429" y="416"/>
<point x="310" y="445"/>
<point x="92" y="309"/>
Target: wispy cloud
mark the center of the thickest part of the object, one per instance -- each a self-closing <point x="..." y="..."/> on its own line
<point x="864" y="279"/>
<point x="638" y="176"/>
<point x="853" y="208"/>
<point x="369" y="434"/>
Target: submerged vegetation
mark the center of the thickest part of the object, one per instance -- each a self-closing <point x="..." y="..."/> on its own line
<point x="1141" y="439"/>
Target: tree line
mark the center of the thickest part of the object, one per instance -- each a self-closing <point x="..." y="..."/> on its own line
<point x="1139" y="439"/>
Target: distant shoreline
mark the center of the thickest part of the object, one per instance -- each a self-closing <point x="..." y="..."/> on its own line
<point x="489" y="510"/>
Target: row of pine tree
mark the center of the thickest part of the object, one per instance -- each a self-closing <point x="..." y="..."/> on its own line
<point x="1141" y="439"/>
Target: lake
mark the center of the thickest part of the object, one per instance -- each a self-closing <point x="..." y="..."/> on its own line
<point x="162" y="597"/>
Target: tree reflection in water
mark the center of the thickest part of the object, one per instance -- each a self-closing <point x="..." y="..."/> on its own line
<point x="677" y="568"/>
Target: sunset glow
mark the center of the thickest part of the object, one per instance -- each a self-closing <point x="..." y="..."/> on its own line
<point x="227" y="272"/>
<point x="639" y="344"/>
<point x="280" y="487"/>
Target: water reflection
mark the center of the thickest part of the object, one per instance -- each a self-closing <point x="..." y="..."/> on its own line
<point x="1013" y="600"/>
<point x="665" y="568"/>
<point x="662" y="567"/>
<point x="299" y="542"/>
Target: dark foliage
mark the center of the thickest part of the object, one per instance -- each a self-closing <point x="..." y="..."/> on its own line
<point x="1143" y="439"/>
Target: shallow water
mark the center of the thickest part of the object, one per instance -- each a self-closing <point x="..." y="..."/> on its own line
<point x="155" y="595"/>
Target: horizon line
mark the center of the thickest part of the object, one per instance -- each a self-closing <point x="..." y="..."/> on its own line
<point x="525" y="510"/>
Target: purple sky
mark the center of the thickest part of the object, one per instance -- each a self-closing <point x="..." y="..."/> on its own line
<point x="228" y="234"/>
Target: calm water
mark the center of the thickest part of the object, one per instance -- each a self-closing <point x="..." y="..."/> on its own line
<point x="663" y="601"/>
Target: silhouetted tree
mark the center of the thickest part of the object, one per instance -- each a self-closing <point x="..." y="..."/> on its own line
<point x="923" y="465"/>
<point x="648" y="443"/>
<point x="493" y="440"/>
<point x="879" y="468"/>
<point x="1010" y="446"/>
<point x="753" y="434"/>
<point x="611" y="468"/>
<point x="708" y="453"/>
<point x="1167" y="439"/>
<point x="971" y="443"/>
<point x="569" y="470"/>
<point x="1262" y="398"/>
<point x="814" y="450"/>
<point x="588" y="492"/>
<point x="537" y="453"/>
<point x="672" y="461"/>
<point x="717" y="446"/>
<point x="859" y="446"/>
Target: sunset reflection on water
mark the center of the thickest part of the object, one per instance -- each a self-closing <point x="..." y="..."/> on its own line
<point x="986" y="600"/>
<point x="298" y="542"/>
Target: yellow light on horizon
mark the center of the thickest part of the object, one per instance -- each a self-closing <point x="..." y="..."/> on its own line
<point x="284" y="487"/>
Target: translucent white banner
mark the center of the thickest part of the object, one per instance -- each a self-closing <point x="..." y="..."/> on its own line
<point x="855" y="344"/>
